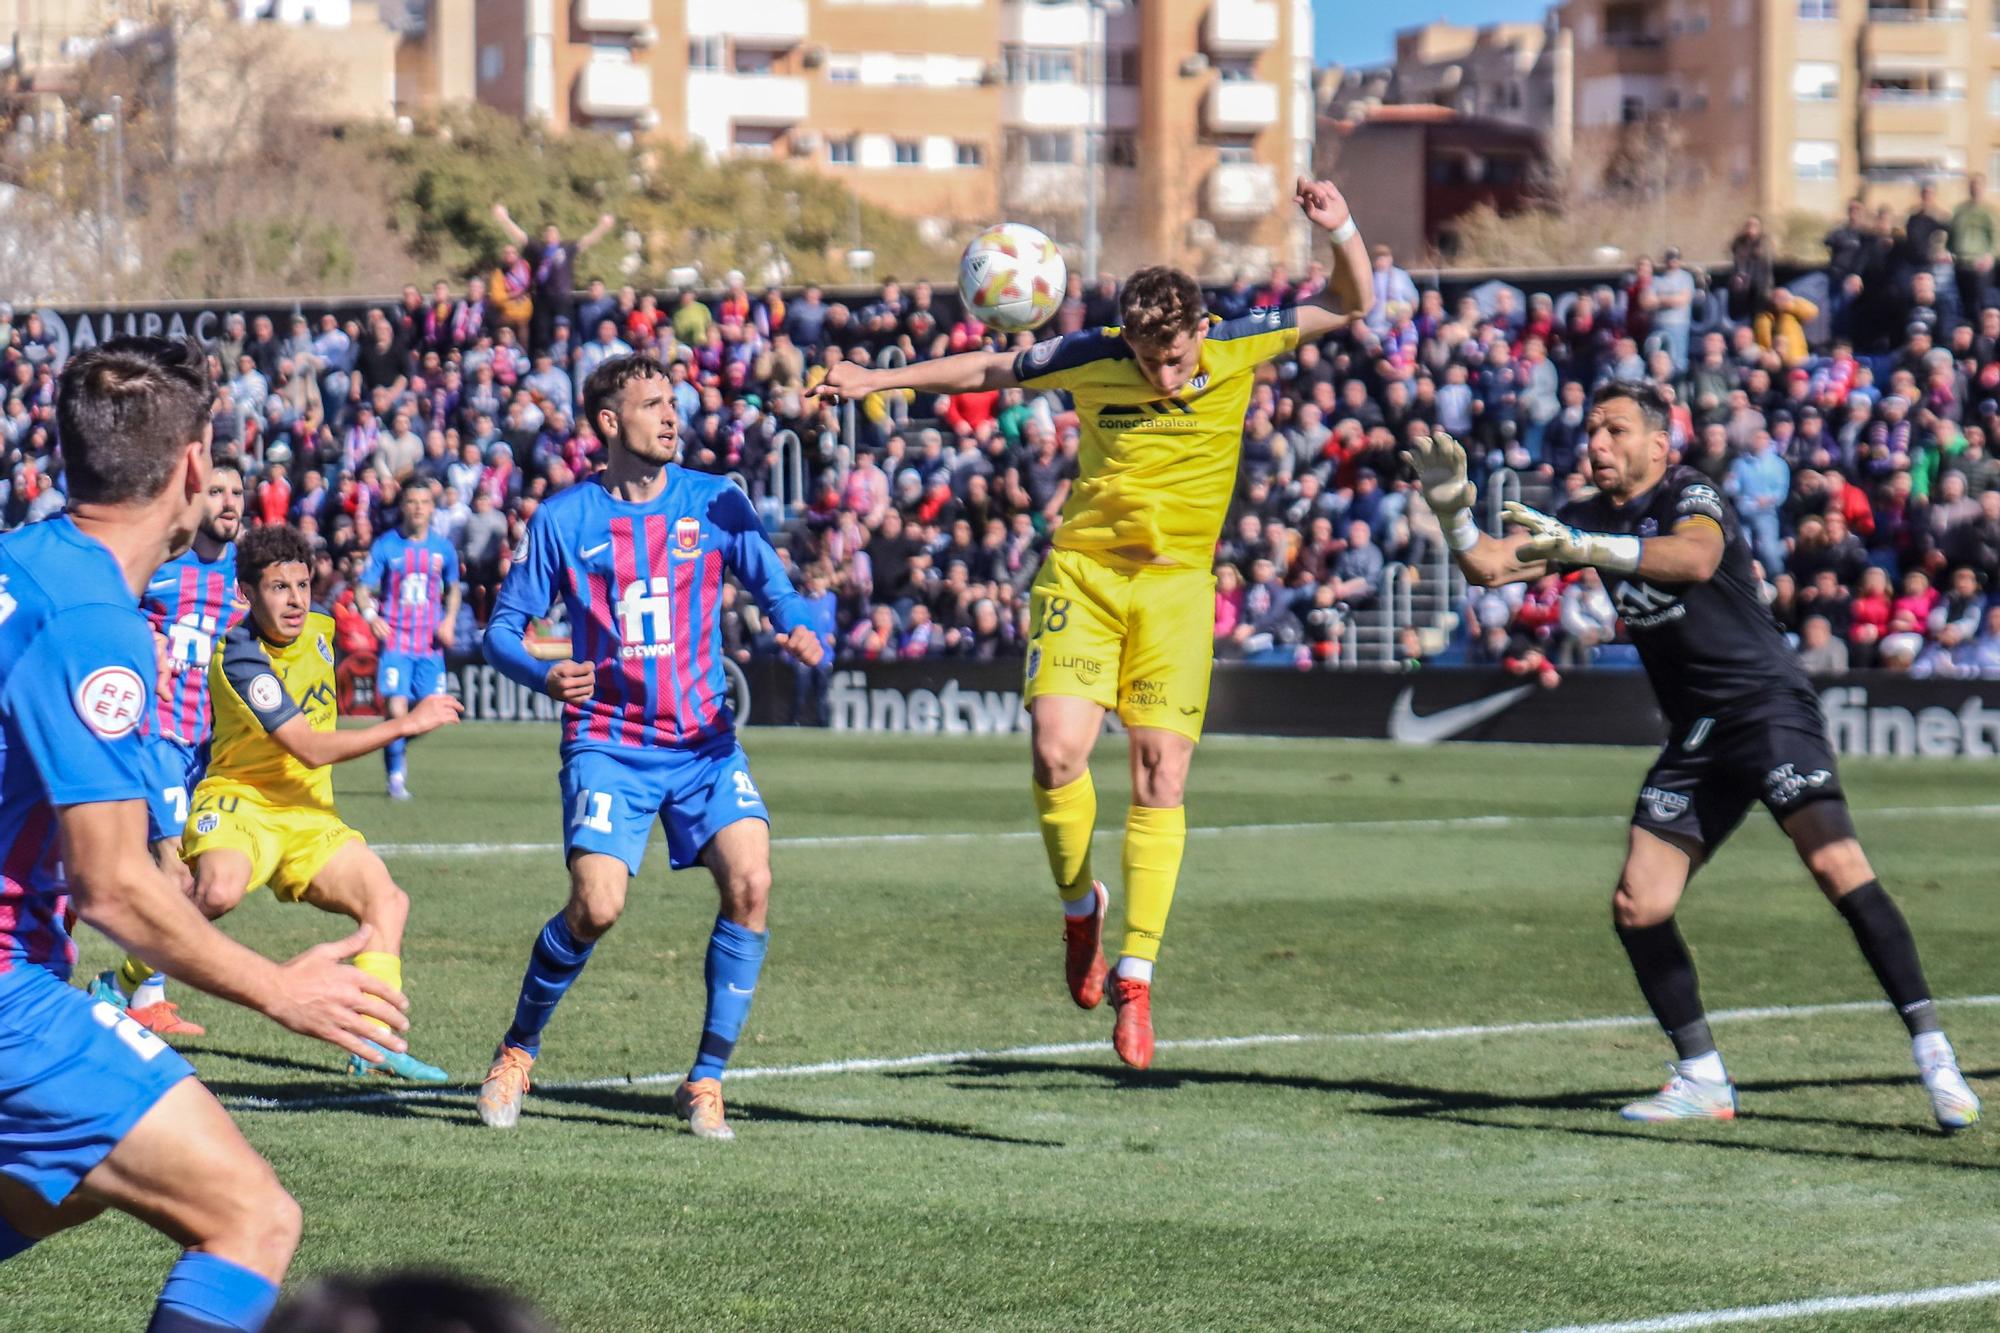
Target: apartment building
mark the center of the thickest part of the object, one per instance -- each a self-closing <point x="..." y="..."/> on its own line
<point x="1800" y="104"/>
<point x="1198" y="112"/>
<point x="1519" y="74"/>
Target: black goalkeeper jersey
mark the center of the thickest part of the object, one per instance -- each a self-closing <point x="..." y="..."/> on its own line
<point x="1711" y="649"/>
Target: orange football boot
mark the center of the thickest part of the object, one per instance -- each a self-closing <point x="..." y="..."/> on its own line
<point x="506" y="1085"/>
<point x="164" y="1019"/>
<point x="1132" y="1034"/>
<point x="1083" y="951"/>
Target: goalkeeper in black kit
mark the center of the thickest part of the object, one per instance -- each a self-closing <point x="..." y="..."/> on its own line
<point x="1744" y="725"/>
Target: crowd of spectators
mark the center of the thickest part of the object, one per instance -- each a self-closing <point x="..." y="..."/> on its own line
<point x="1849" y="415"/>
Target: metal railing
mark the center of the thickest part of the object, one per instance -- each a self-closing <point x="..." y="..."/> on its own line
<point x="1503" y="485"/>
<point x="788" y="474"/>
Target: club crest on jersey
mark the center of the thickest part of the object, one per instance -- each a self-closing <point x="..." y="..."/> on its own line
<point x="1664" y="805"/>
<point x="1649" y="527"/>
<point x="325" y="648"/>
<point x="207" y="823"/>
<point x="687" y="538"/>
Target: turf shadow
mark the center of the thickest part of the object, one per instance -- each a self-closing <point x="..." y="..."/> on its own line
<point x="1685" y="1136"/>
<point x="329" y="1072"/>
<point x="632" y="1102"/>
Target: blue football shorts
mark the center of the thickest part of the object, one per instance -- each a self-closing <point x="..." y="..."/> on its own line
<point x="612" y="795"/>
<point x="75" y="1076"/>
<point x="173" y="769"/>
<point x="409" y="675"/>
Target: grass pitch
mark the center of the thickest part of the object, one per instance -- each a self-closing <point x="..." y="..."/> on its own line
<point x="1325" y="1178"/>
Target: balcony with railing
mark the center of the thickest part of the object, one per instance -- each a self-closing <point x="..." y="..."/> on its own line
<point x="1240" y="27"/>
<point x="613" y="15"/>
<point x="1238" y="106"/>
<point x="1884" y="44"/>
<point x="614" y="88"/>
<point x="1239" y="190"/>
<point x="763" y="24"/>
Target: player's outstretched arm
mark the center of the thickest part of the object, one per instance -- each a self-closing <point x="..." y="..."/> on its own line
<point x="318" y="749"/>
<point x="1691" y="553"/>
<point x="967" y="372"/>
<point x="120" y="891"/>
<point x="1486" y="561"/>
<point x="1350" y="288"/>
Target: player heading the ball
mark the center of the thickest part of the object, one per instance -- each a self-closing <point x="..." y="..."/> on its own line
<point x="1124" y="609"/>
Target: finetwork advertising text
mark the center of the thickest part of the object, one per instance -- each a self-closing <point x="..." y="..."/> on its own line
<point x="854" y="706"/>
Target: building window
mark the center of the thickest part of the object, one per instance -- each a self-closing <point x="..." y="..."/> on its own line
<point x="1816" y="81"/>
<point x="1631" y="109"/>
<point x="492" y="63"/>
<point x="909" y="153"/>
<point x="1041" y="148"/>
<point x="1816" y="160"/>
<point x="843" y="69"/>
<point x="1236" y="152"/>
<point x="840" y="152"/>
<point x="753" y="62"/>
<point x="971" y="154"/>
<point x="705" y="53"/>
<point x="1819" y="9"/>
<point x="1236" y="71"/>
<point x="755" y="141"/>
<point x="1119" y="65"/>
<point x="1039" y="64"/>
<point x="1121" y="149"/>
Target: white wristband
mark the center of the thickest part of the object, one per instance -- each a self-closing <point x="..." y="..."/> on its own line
<point x="1344" y="232"/>
<point x="1463" y="534"/>
<point x="368" y="613"/>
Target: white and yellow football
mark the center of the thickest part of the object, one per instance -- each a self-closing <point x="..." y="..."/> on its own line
<point x="1011" y="277"/>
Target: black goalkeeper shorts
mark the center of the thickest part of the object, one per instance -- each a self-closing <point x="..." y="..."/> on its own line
<point x="1702" y="784"/>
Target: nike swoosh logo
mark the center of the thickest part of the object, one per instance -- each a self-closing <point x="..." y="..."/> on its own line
<point x="1406" y="728"/>
<point x="590" y="551"/>
<point x="735" y="989"/>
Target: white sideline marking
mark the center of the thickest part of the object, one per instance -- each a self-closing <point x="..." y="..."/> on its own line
<point x="1890" y="1300"/>
<point x="1206" y="830"/>
<point x="878" y="1063"/>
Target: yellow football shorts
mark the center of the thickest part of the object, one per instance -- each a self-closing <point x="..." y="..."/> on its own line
<point x="1134" y="638"/>
<point x="286" y="847"/>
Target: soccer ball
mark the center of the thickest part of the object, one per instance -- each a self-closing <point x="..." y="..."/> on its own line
<point x="1011" y="277"/>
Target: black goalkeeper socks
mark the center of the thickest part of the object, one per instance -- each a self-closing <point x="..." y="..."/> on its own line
<point x="1886" y="943"/>
<point x="1666" y="978"/>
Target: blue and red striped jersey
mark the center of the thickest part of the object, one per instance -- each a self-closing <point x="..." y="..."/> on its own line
<point x="76" y="682"/>
<point x="193" y="602"/>
<point x="642" y="586"/>
<point x="409" y="579"/>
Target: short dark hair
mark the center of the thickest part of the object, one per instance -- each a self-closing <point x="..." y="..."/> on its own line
<point x="273" y="544"/>
<point x="125" y="410"/>
<point x="1159" y="304"/>
<point x="1652" y="404"/>
<point x="606" y="382"/>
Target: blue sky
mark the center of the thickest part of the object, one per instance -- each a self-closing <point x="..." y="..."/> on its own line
<point x="1361" y="32"/>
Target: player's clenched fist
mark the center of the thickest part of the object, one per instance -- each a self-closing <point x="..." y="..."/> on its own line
<point x="325" y="998"/>
<point x="572" y="682"/>
<point x="804" y="643"/>
<point x="438" y="710"/>
<point x="845" y="380"/>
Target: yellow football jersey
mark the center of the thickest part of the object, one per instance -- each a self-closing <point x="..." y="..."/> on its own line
<point x="1155" y="472"/>
<point x="257" y="687"/>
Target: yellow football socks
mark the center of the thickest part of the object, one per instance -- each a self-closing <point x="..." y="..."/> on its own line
<point x="384" y="967"/>
<point x="1154" y="840"/>
<point x="133" y="974"/>
<point x="1068" y="816"/>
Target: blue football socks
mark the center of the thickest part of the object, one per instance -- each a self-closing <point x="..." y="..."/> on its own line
<point x="557" y="959"/>
<point x="207" y="1294"/>
<point x="735" y="957"/>
<point x="392" y="756"/>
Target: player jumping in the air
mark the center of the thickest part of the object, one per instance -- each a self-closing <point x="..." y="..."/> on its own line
<point x="1124" y="610"/>
<point x="264" y="813"/>
<point x="1743" y="725"/>
<point x="409" y="595"/>
<point x="95" y="1111"/>
<point x="190" y="600"/>
<point x="637" y="557"/>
